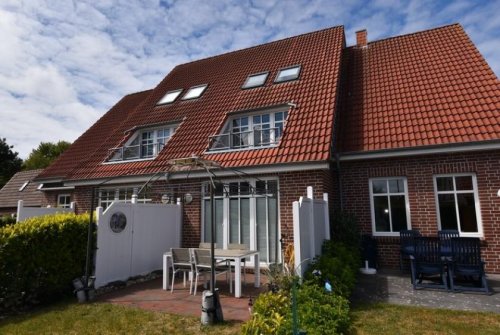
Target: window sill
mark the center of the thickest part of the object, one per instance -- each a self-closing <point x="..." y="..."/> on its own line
<point x="240" y="149"/>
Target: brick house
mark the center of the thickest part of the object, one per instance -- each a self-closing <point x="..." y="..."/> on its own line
<point x="21" y="187"/>
<point x="384" y="127"/>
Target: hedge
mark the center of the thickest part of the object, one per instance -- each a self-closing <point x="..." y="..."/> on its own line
<point x="40" y="257"/>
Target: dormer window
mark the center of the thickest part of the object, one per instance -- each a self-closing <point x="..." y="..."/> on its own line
<point x="144" y="144"/>
<point x="23" y="186"/>
<point x="169" y="97"/>
<point x="250" y="131"/>
<point x="195" y="92"/>
<point x="287" y="74"/>
<point x="255" y="80"/>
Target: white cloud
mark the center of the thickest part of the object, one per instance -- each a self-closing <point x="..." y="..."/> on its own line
<point x="64" y="63"/>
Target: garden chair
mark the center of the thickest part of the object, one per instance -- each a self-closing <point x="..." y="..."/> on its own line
<point x="407" y="244"/>
<point x="467" y="263"/>
<point x="238" y="246"/>
<point x="202" y="265"/>
<point x="181" y="262"/>
<point x="445" y="237"/>
<point x="427" y="262"/>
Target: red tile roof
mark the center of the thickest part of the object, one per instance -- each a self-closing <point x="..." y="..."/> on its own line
<point x="422" y="89"/>
<point x="307" y="136"/>
<point x="10" y="194"/>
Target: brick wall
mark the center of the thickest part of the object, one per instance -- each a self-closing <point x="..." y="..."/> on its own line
<point x="292" y="186"/>
<point x="419" y="172"/>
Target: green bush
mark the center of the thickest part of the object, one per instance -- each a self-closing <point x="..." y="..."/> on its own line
<point x="6" y="220"/>
<point x="344" y="229"/>
<point x="320" y="312"/>
<point x="40" y="257"/>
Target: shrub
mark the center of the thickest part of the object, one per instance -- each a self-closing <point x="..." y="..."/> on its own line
<point x="344" y="229"/>
<point x="271" y="315"/>
<point x="320" y="312"/>
<point x="6" y="220"/>
<point x="40" y="257"/>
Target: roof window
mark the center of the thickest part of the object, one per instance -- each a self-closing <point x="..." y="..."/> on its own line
<point x="287" y="74"/>
<point x="195" y="92"/>
<point x="24" y="185"/>
<point x="255" y="80"/>
<point x="169" y="97"/>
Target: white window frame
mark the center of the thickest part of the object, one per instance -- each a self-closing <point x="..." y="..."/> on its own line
<point x="187" y="96"/>
<point x="247" y="86"/>
<point x="117" y="191"/>
<point x="61" y="205"/>
<point x="277" y="80"/>
<point x="388" y="194"/>
<point x="173" y="95"/>
<point x="477" y="205"/>
<point x="273" y="142"/>
<point x="253" y="211"/>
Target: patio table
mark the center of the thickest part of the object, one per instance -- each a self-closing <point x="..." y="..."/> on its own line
<point x="221" y="254"/>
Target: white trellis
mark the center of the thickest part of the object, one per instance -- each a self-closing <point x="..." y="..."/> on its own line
<point x="311" y="226"/>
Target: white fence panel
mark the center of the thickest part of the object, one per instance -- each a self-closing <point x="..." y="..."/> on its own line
<point x="24" y="213"/>
<point x="151" y="229"/>
<point x="311" y="226"/>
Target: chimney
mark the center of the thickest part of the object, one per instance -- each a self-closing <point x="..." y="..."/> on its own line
<point x="361" y="38"/>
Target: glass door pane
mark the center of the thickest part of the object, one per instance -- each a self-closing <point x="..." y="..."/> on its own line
<point x="273" y="225"/>
<point x="261" y="222"/>
<point x="219" y="215"/>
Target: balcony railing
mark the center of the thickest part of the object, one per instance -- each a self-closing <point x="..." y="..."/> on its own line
<point x="139" y="151"/>
<point x="245" y="139"/>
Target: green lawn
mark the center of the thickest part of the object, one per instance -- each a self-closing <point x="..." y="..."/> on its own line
<point x="72" y="318"/>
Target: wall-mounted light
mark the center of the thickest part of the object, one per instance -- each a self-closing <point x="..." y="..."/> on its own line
<point x="165" y="199"/>
<point x="188" y="198"/>
<point x="498" y="193"/>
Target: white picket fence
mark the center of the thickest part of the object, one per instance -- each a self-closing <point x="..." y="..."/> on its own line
<point x="150" y="230"/>
<point x="24" y="213"/>
<point x="311" y="226"/>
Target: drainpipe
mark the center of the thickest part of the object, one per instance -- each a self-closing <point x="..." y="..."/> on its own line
<point x="339" y="181"/>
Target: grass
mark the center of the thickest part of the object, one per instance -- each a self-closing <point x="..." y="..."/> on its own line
<point x="394" y="319"/>
<point x="102" y="318"/>
<point x="72" y="318"/>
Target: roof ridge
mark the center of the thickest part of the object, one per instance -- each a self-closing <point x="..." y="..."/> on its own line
<point x="259" y="45"/>
<point x="411" y="34"/>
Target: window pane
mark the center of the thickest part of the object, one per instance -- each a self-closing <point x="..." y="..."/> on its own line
<point x="464" y="183"/>
<point x="244" y="188"/>
<point x="219" y="189"/>
<point x="398" y="215"/>
<point x="265" y="118"/>
<point x="219" y="217"/>
<point x="261" y="218"/>
<point x="256" y="119"/>
<point x="234" y="221"/>
<point x="273" y="221"/>
<point x="255" y="80"/>
<point x="169" y="97"/>
<point x="260" y="186"/>
<point x="396" y="186"/>
<point x="444" y="183"/>
<point x="381" y="208"/>
<point x="379" y="186"/>
<point x="447" y="211"/>
<point x="272" y="187"/>
<point x="194" y="92"/>
<point x="278" y="116"/>
<point x="233" y="189"/>
<point x="467" y="213"/>
<point x="288" y="74"/>
<point x="245" y="221"/>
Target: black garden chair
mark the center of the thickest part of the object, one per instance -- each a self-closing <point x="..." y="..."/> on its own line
<point x="467" y="264"/>
<point x="427" y="264"/>
<point x="445" y="237"/>
<point x="407" y="244"/>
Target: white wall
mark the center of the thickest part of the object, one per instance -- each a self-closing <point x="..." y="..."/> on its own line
<point x="24" y="213"/>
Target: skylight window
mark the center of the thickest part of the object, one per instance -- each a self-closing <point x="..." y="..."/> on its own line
<point x="195" y="92"/>
<point x="255" y="80"/>
<point x="290" y="73"/>
<point x="169" y="97"/>
<point x="24" y="186"/>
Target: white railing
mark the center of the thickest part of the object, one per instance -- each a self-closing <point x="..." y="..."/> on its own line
<point x="138" y="151"/>
<point x="244" y="139"/>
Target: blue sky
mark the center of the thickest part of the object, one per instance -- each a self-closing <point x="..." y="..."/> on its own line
<point x="64" y="63"/>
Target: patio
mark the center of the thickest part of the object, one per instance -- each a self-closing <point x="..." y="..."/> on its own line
<point x="150" y="296"/>
<point x="387" y="285"/>
<point x="394" y="287"/>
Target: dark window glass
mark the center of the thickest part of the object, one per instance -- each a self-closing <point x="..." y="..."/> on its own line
<point x="464" y="183"/>
<point x="447" y="211"/>
<point x="381" y="208"/>
<point x="444" y="183"/>
<point x="233" y="189"/>
<point x="379" y="186"/>
<point x="260" y="186"/>
<point x="396" y="186"/>
<point x="398" y="213"/>
<point x="467" y="212"/>
<point x="244" y="188"/>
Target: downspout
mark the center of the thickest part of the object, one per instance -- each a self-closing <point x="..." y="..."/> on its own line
<point x="339" y="182"/>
